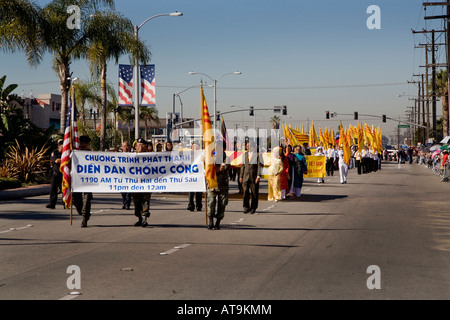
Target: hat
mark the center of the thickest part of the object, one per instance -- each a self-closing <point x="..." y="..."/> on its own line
<point x="141" y="140"/>
<point x="85" y="139"/>
<point x="60" y="142"/>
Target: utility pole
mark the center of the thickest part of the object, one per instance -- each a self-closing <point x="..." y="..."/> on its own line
<point x="447" y="41"/>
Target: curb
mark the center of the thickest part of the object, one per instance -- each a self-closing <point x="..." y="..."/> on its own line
<point x="11" y="194"/>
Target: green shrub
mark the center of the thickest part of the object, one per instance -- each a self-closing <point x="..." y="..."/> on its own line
<point x="9" y="183"/>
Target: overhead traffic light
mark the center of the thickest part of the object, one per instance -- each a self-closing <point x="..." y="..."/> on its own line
<point x="284" y="112"/>
<point x="327" y="114"/>
<point x="356" y="115"/>
<point x="251" y="113"/>
<point x="384" y="118"/>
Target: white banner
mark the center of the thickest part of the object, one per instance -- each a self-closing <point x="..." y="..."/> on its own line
<point x="105" y="172"/>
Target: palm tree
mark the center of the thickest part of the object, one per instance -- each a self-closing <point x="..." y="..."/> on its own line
<point x="275" y="121"/>
<point x="110" y="36"/>
<point x="148" y="113"/>
<point x="35" y="30"/>
<point x="442" y="92"/>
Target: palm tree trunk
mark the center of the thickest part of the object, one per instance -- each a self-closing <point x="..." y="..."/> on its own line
<point x="104" y="102"/>
<point x="64" y="86"/>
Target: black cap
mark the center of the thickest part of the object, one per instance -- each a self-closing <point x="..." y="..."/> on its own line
<point x="141" y="140"/>
<point x="85" y="139"/>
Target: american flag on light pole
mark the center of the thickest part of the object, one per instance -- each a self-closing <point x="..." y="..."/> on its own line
<point x="125" y="85"/>
<point x="71" y="142"/>
<point x="148" y="85"/>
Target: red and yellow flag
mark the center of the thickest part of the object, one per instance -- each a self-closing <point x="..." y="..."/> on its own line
<point x="208" y="143"/>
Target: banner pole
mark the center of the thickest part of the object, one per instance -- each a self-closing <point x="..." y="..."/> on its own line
<point x="71" y="207"/>
<point x="206" y="209"/>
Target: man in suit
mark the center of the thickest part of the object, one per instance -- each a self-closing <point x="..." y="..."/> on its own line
<point x="249" y="176"/>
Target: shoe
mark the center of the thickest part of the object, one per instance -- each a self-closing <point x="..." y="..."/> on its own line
<point x="138" y="223"/>
<point x="144" y="223"/>
<point x="124" y="207"/>
<point x="198" y="209"/>
<point x="190" y="208"/>
<point x="217" y="225"/>
<point x="84" y="223"/>
<point x="49" y="206"/>
<point x="246" y="210"/>
<point x="253" y="211"/>
<point x="211" y="224"/>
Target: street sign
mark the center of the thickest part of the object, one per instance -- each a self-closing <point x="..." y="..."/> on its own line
<point x="403" y="125"/>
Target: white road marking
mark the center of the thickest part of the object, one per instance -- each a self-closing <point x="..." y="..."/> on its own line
<point x="15" y="229"/>
<point x="175" y="249"/>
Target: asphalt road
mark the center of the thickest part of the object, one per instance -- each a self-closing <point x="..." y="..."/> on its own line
<point x="321" y="246"/>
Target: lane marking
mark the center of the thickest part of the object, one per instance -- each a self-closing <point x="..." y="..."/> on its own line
<point x="71" y="295"/>
<point x="174" y="249"/>
<point x="15" y="229"/>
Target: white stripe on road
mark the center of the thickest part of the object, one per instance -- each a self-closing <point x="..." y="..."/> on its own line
<point x="175" y="249"/>
<point x="71" y="296"/>
<point x="14" y="229"/>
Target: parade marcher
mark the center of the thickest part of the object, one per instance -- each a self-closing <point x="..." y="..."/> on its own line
<point x="300" y="168"/>
<point x="365" y="158"/>
<point x="82" y="200"/>
<point x="56" y="178"/>
<point x="357" y="155"/>
<point x="343" y="167"/>
<point x="274" y="179"/>
<point x="217" y="198"/>
<point x="319" y="152"/>
<point x="306" y="151"/>
<point x="126" y="196"/>
<point x="330" y="156"/>
<point x="250" y="178"/>
<point x="195" y="195"/>
<point x="141" y="200"/>
<point x="284" y="182"/>
<point x="290" y="156"/>
<point x="169" y="146"/>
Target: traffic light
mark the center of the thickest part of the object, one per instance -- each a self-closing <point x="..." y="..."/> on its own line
<point x="356" y="115"/>
<point x="251" y="113"/>
<point x="284" y="111"/>
<point x="327" y="114"/>
<point x="384" y="118"/>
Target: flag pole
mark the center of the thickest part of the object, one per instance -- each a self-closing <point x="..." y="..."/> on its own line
<point x="72" y="113"/>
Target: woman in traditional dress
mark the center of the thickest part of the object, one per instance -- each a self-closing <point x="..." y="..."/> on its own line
<point x="275" y="169"/>
<point x="300" y="168"/>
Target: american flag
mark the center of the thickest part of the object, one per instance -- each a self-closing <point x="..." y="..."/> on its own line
<point x="148" y="85"/>
<point x="125" y="85"/>
<point x="71" y="142"/>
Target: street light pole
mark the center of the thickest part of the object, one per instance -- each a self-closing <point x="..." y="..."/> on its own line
<point x="136" y="70"/>
<point x="215" y="89"/>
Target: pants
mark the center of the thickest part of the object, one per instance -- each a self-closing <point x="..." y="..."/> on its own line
<point x="251" y="190"/>
<point x="216" y="197"/>
<point x="330" y="166"/>
<point x="358" y="166"/>
<point x="142" y="204"/>
<point x="55" y="183"/>
<point x="343" y="171"/>
<point x="126" y="199"/>
<point x="82" y="202"/>
<point x="198" y="200"/>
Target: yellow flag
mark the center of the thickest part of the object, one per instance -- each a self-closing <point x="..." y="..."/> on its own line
<point x="209" y="144"/>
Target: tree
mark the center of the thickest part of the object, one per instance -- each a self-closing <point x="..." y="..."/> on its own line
<point x="275" y="121"/>
<point x="148" y="113"/>
<point x="442" y="92"/>
<point x="26" y="26"/>
<point x="4" y="93"/>
<point x="110" y="36"/>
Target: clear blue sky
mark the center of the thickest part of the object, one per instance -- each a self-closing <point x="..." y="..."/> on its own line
<point x="312" y="56"/>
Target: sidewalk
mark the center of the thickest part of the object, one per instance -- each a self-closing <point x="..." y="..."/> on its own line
<point x="18" y="193"/>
